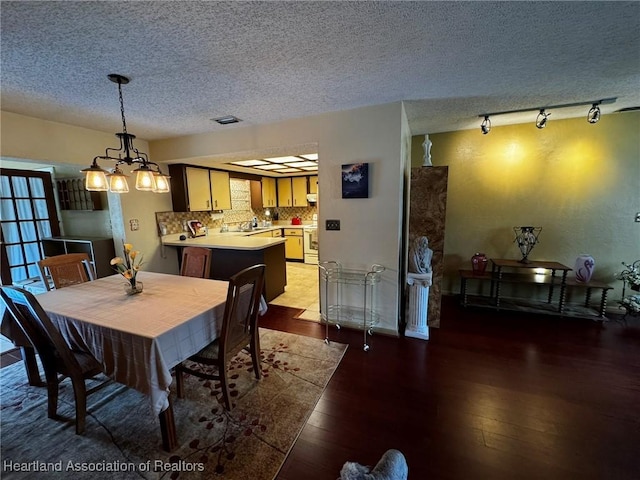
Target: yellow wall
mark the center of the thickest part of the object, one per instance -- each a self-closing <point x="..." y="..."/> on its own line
<point x="579" y="182"/>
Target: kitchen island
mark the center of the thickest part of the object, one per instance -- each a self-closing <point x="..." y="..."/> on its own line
<point x="234" y="251"/>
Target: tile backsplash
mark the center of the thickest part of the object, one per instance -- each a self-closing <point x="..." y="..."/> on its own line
<point x="240" y="212"/>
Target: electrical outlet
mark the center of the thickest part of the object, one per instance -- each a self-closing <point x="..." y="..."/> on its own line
<point x="134" y="224"/>
<point x="638" y="217"/>
<point x="333" y="225"/>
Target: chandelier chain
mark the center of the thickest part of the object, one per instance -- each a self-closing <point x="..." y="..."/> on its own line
<point x="124" y="122"/>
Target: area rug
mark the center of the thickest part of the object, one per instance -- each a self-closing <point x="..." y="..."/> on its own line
<point x="122" y="438"/>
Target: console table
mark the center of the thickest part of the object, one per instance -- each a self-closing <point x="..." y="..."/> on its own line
<point x="554" y="279"/>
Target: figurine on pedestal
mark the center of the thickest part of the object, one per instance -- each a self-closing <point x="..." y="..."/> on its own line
<point x="419" y="280"/>
<point x="426" y="158"/>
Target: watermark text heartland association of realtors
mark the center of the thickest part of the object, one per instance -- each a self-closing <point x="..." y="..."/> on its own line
<point x="104" y="466"/>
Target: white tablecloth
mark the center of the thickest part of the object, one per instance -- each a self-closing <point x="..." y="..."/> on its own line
<point x="140" y="338"/>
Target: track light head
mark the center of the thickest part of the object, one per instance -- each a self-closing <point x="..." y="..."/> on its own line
<point x="594" y="113"/>
<point x="541" y="120"/>
<point x="485" y="126"/>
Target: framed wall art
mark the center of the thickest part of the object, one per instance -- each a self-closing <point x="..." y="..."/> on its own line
<point x="355" y="180"/>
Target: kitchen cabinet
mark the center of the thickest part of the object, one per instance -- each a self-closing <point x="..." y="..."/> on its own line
<point x="299" y="187"/>
<point x="294" y="246"/>
<point x="190" y="188"/>
<point x="285" y="192"/>
<point x="100" y="251"/>
<point x="269" y="198"/>
<point x="220" y="190"/>
<point x="313" y="184"/>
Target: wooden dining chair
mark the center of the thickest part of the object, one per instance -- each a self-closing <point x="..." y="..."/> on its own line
<point x="65" y="270"/>
<point x="55" y="354"/>
<point x="239" y="331"/>
<point x="196" y="262"/>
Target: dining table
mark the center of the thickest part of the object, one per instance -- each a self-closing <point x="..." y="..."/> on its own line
<point x="139" y="338"/>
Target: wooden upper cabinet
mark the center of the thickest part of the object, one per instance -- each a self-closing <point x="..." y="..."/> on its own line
<point x="313" y="184"/>
<point x="269" y="192"/>
<point x="300" y="191"/>
<point x="285" y="192"/>
<point x="220" y="190"/>
<point x="190" y="188"/>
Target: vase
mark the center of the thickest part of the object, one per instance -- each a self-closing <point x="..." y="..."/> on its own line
<point x="133" y="289"/>
<point x="526" y="238"/>
<point x="479" y="263"/>
<point x="584" y="267"/>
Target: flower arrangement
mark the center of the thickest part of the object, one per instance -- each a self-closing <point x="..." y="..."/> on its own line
<point x="631" y="303"/>
<point x="128" y="265"/>
<point x="631" y="276"/>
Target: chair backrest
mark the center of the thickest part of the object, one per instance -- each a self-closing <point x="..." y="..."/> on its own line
<point x="241" y="310"/>
<point x="37" y="326"/>
<point x="65" y="270"/>
<point x="196" y="262"/>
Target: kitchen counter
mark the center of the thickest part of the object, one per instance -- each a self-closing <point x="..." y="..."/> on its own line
<point x="234" y="251"/>
<point x="227" y="240"/>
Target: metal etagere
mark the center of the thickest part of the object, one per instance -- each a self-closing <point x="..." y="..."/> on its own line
<point x="344" y="305"/>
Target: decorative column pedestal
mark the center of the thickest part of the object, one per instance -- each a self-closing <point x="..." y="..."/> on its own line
<point x="419" y="284"/>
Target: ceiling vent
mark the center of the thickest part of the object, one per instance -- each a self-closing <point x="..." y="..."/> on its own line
<point x="226" y="120"/>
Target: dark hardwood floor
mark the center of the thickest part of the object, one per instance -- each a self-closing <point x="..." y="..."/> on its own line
<point x="489" y="396"/>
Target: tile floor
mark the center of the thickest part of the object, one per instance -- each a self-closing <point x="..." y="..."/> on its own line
<point x="301" y="290"/>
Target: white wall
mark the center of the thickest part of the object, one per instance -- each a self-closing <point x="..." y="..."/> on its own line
<point x="35" y="140"/>
<point x="370" y="228"/>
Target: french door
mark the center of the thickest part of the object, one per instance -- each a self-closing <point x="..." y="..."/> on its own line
<point x="27" y="215"/>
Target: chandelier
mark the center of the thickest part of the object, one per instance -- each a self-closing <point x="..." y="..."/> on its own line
<point x="149" y="177"/>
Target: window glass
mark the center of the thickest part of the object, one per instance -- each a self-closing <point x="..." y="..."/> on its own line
<point x="5" y="188"/>
<point x="26" y="203"/>
<point x="44" y="229"/>
<point x="37" y="187"/>
<point x="10" y="232"/>
<point x="18" y="273"/>
<point x="28" y="231"/>
<point x="6" y="210"/>
<point x="24" y="209"/>
<point x="20" y="187"/>
<point x="14" y="252"/>
<point x="33" y="270"/>
<point x="40" y="208"/>
<point x="32" y="251"/>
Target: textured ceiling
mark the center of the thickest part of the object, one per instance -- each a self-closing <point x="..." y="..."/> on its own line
<point x="263" y="62"/>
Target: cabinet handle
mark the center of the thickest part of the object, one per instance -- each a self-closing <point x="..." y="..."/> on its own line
<point x="216" y="203"/>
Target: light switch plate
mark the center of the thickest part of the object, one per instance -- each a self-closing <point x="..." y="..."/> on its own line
<point x="134" y="224"/>
<point x="333" y="225"/>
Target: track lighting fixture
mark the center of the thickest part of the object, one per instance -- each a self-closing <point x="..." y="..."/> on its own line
<point x="485" y="127"/>
<point x="541" y="119"/>
<point x="594" y="113"/>
<point x="149" y="177"/>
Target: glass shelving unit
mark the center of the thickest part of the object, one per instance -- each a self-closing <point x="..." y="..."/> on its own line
<point x="349" y="297"/>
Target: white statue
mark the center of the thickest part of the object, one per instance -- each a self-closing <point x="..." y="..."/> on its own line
<point x="426" y="159"/>
<point x="420" y="256"/>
